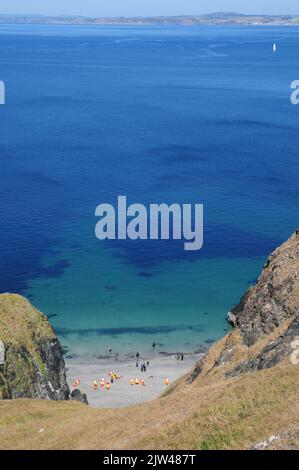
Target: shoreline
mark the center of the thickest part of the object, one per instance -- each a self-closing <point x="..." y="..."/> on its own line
<point x="122" y="393"/>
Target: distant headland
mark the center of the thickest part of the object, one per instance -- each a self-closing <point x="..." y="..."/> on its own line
<point x="219" y="18"/>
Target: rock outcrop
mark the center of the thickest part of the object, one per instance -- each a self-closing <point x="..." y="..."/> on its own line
<point x="273" y="353"/>
<point x="275" y="297"/>
<point x="265" y="322"/>
<point x="32" y="363"/>
<point x="76" y="395"/>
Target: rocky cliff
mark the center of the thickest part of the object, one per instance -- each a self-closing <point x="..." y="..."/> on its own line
<point x="275" y="297"/>
<point x="265" y="322"/>
<point x="31" y="359"/>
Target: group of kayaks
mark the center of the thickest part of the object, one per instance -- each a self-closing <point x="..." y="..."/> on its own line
<point x="104" y="383"/>
<point x="113" y="376"/>
<point x="137" y="381"/>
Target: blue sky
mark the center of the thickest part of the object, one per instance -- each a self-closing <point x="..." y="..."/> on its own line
<point x="146" y="7"/>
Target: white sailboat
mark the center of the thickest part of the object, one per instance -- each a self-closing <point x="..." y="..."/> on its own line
<point x="274" y="47"/>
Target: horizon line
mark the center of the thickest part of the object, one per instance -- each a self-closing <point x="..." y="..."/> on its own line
<point x="221" y="12"/>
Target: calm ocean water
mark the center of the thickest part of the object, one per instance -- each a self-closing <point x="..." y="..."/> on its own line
<point x="178" y="114"/>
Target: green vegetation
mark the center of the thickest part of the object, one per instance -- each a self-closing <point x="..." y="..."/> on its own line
<point x="22" y="327"/>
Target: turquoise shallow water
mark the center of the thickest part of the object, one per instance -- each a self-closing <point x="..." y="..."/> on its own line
<point x="178" y="114"/>
<point x="101" y="301"/>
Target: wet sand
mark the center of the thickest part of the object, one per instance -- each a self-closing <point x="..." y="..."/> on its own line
<point x="122" y="393"/>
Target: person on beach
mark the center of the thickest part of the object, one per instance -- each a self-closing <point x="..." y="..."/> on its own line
<point x="110" y="349"/>
<point x="182" y="357"/>
<point x="154" y="344"/>
<point x="137" y="355"/>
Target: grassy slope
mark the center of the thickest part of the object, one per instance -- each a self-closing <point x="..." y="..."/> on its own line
<point x="212" y="413"/>
<point x="21" y="323"/>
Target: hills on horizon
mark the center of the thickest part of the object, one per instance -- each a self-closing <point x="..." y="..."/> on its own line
<point x="217" y="18"/>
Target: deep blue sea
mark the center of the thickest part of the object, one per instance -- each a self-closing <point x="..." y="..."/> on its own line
<point x="159" y="114"/>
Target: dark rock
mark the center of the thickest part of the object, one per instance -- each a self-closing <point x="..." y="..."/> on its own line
<point x="200" y="350"/>
<point x="34" y="365"/>
<point x="196" y="371"/>
<point x="52" y="356"/>
<point x="274" y="298"/>
<point x="209" y="341"/>
<point x="76" y="395"/>
<point x="168" y="354"/>
<point x="225" y="356"/>
<point x="72" y="356"/>
<point x="52" y="315"/>
<point x="273" y="353"/>
<point x="65" y="350"/>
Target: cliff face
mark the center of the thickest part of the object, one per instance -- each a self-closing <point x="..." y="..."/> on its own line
<point x="265" y="322"/>
<point x="274" y="299"/>
<point x="31" y="362"/>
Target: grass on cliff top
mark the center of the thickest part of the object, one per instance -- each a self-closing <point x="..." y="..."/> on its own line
<point x="20" y="322"/>
<point x="239" y="414"/>
<point x="212" y="413"/>
<point x="21" y="326"/>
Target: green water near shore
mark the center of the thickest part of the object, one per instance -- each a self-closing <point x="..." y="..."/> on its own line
<point x="103" y="301"/>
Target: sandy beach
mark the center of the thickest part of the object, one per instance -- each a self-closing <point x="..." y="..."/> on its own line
<point x="121" y="393"/>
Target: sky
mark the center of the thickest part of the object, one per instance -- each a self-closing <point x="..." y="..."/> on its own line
<point x="145" y="7"/>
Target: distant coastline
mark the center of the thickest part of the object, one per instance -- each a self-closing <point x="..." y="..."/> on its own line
<point x="219" y="18"/>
